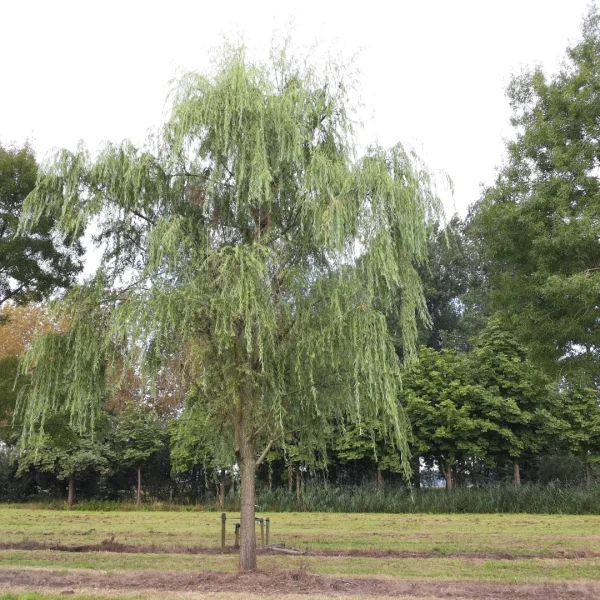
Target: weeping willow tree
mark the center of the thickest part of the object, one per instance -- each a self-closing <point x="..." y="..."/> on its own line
<point x="250" y="242"/>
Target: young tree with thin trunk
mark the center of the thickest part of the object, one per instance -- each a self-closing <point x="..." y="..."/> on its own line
<point x="249" y="237"/>
<point x="61" y="450"/>
<point x="519" y="402"/>
<point x="581" y="411"/>
<point x="191" y="449"/>
<point x="440" y="398"/>
<point x="364" y="441"/>
<point x="139" y="436"/>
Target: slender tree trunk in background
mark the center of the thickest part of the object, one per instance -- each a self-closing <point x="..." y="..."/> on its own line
<point x="222" y="488"/>
<point x="416" y="467"/>
<point x="139" y="487"/>
<point x="447" y="472"/>
<point x="71" y="495"/>
<point x="379" y="477"/>
<point x="194" y="487"/>
<point x="588" y="474"/>
<point x="298" y="483"/>
<point x="516" y="472"/>
<point x="290" y="479"/>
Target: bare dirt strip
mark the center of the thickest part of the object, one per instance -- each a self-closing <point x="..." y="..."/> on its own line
<point x="277" y="583"/>
<point x="112" y="546"/>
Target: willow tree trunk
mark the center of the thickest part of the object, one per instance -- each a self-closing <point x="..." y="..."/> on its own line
<point x="245" y="454"/>
<point x="290" y="479"/>
<point x="447" y="472"/>
<point x="516" y="472"/>
<point x="247" y="516"/>
<point x="139" y="487"/>
<point x="298" y="484"/>
<point x="379" y="477"/>
<point x="71" y="494"/>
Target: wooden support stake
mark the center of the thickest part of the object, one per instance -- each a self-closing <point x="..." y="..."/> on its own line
<point x="268" y="521"/>
<point x="223" y="520"/>
<point x="262" y="533"/>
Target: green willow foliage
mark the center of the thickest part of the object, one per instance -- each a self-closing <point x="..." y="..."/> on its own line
<point x="245" y="243"/>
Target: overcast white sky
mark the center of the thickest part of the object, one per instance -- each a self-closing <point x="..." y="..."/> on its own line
<point x="433" y="72"/>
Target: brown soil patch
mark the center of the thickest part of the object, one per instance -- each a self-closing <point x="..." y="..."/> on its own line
<point x="278" y="583"/>
<point x="112" y="546"/>
<point x="466" y="555"/>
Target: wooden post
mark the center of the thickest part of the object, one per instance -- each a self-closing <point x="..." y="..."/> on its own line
<point x="237" y="535"/>
<point x="268" y="528"/>
<point x="262" y="533"/>
<point x="223" y="520"/>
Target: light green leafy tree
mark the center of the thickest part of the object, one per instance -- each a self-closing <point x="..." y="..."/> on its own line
<point x="440" y="397"/>
<point x="519" y="401"/>
<point x="581" y="411"/>
<point x="139" y="435"/>
<point x="303" y="453"/>
<point x="364" y="440"/>
<point x="192" y="446"/>
<point x="61" y="450"/>
<point x="232" y="238"/>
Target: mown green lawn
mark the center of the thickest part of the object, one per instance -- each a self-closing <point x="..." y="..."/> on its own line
<point x="514" y="534"/>
<point x="443" y="535"/>
<point x="453" y="569"/>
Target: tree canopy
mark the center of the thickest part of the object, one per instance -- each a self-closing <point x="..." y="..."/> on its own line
<point x="34" y="263"/>
<point x="540" y="222"/>
<point x="250" y="241"/>
<point x="63" y="451"/>
<point x="138" y="437"/>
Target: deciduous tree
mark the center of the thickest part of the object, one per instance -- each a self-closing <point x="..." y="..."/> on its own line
<point x="63" y="451"/>
<point x="138" y="436"/>
<point x="520" y="400"/>
<point x="234" y="234"/>
<point x="581" y="411"/>
<point x="34" y="263"/>
<point x="540" y="221"/>
<point x="440" y="398"/>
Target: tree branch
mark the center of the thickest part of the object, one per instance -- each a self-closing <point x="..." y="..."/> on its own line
<point x="12" y="293"/>
<point x="141" y="216"/>
<point x="265" y="452"/>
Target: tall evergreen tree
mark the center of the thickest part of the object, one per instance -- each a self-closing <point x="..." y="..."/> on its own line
<point x="234" y="236"/>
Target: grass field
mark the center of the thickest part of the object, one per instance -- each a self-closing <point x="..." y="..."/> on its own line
<point x="425" y="555"/>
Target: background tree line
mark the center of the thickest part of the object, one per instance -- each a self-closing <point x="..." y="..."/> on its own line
<point x="506" y="385"/>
